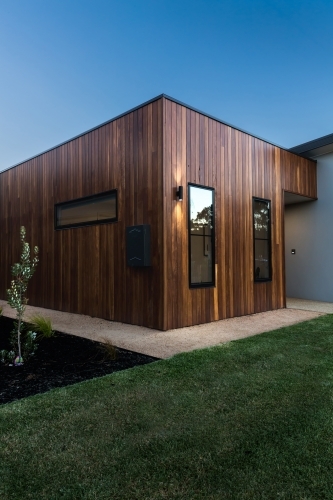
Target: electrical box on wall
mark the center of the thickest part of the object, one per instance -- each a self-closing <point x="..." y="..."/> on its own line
<point x="138" y="246"/>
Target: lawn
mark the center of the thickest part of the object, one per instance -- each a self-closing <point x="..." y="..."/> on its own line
<point x="251" y="419"/>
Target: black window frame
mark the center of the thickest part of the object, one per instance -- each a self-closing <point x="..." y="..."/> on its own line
<point x="269" y="239"/>
<point x="208" y="284"/>
<point x="83" y="199"/>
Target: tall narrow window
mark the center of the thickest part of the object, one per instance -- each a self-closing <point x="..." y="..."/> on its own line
<point x="262" y="239"/>
<point x="201" y="235"/>
<point x="97" y="209"/>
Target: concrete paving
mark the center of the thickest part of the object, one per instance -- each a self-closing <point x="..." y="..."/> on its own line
<point x="310" y="305"/>
<point x="166" y="344"/>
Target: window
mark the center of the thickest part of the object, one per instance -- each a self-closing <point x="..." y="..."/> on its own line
<point x="97" y="209"/>
<point x="201" y="236"/>
<point x="262" y="239"/>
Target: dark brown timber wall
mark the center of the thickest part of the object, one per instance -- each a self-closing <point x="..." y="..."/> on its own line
<point x="83" y="270"/>
<point x="201" y="150"/>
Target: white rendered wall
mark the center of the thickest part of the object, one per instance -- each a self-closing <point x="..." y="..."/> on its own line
<point x="309" y="230"/>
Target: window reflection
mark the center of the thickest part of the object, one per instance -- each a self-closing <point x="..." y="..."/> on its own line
<point x="261" y="219"/>
<point x="262" y="240"/>
<point x="201" y="207"/>
<point x="91" y="210"/>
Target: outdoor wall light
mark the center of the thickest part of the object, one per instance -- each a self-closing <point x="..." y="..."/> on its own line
<point x="179" y="193"/>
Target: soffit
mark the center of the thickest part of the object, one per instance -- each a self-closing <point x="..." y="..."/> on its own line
<point x="292" y="198"/>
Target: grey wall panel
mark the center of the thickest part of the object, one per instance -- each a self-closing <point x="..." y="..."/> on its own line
<point x="309" y="230"/>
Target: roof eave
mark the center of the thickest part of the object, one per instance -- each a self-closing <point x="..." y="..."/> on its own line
<point x="317" y="147"/>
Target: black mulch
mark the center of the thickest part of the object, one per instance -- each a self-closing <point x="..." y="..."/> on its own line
<point x="59" y="361"/>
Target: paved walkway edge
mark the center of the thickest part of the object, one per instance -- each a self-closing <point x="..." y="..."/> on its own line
<point x="166" y="344"/>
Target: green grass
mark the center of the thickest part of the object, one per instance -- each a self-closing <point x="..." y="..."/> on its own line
<point x="251" y="419"/>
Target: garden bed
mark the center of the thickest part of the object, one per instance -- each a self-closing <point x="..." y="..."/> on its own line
<point x="61" y="360"/>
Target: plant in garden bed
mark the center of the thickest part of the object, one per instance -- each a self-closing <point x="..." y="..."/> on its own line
<point x="108" y="349"/>
<point x="42" y="326"/>
<point x="22" y="272"/>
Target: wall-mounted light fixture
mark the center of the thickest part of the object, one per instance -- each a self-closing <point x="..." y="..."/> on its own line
<point x="179" y="193"/>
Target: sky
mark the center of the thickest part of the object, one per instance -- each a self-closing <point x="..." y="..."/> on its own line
<point x="264" y="66"/>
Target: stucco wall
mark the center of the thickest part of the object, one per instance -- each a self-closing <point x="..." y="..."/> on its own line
<point x="309" y="230"/>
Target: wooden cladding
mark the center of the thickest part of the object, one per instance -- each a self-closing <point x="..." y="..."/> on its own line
<point x="145" y="155"/>
<point x="201" y="150"/>
<point x="83" y="269"/>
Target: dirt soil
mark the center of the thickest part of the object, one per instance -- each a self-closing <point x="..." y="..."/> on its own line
<point x="59" y="361"/>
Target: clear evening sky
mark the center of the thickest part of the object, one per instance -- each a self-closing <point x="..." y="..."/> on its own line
<point x="265" y="66"/>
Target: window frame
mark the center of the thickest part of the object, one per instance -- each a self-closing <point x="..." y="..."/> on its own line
<point x="86" y="198"/>
<point x="208" y="284"/>
<point x="269" y="239"/>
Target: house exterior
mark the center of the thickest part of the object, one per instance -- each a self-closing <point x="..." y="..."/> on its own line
<point x="204" y="199"/>
<point x="308" y="228"/>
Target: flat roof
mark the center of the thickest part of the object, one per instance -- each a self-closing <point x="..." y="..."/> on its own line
<point x="317" y="147"/>
<point x="140" y="106"/>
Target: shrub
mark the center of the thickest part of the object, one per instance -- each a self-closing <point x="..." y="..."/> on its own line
<point x="42" y="326"/>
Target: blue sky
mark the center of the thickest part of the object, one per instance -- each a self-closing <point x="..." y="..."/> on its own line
<point x="265" y="66"/>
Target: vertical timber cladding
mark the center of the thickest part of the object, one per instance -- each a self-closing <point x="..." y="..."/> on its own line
<point x="83" y="270"/>
<point x="145" y="154"/>
<point x="201" y="150"/>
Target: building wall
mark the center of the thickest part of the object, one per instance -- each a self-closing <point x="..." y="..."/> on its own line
<point x="83" y="270"/>
<point x="145" y="155"/>
<point x="204" y="151"/>
<point x="308" y="231"/>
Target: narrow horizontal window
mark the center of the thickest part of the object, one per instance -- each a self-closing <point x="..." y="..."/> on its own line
<point x="201" y="236"/>
<point x="97" y="209"/>
<point x="262" y="239"/>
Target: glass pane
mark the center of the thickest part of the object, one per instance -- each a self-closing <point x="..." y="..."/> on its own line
<point x="201" y="201"/>
<point x="261" y="219"/>
<point x="85" y="211"/>
<point x="261" y="259"/>
<point x="201" y="235"/>
<point x="201" y="259"/>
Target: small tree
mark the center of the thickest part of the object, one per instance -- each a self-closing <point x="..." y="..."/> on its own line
<point x="22" y="272"/>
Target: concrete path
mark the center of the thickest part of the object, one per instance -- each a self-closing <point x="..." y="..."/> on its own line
<point x="166" y="344"/>
<point x="310" y="305"/>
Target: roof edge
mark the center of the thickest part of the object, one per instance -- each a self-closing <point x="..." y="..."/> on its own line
<point x="311" y="146"/>
<point x="160" y="96"/>
<point x="222" y="121"/>
<point x="84" y="133"/>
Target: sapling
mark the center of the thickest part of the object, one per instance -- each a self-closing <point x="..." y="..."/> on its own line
<point x="22" y="272"/>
